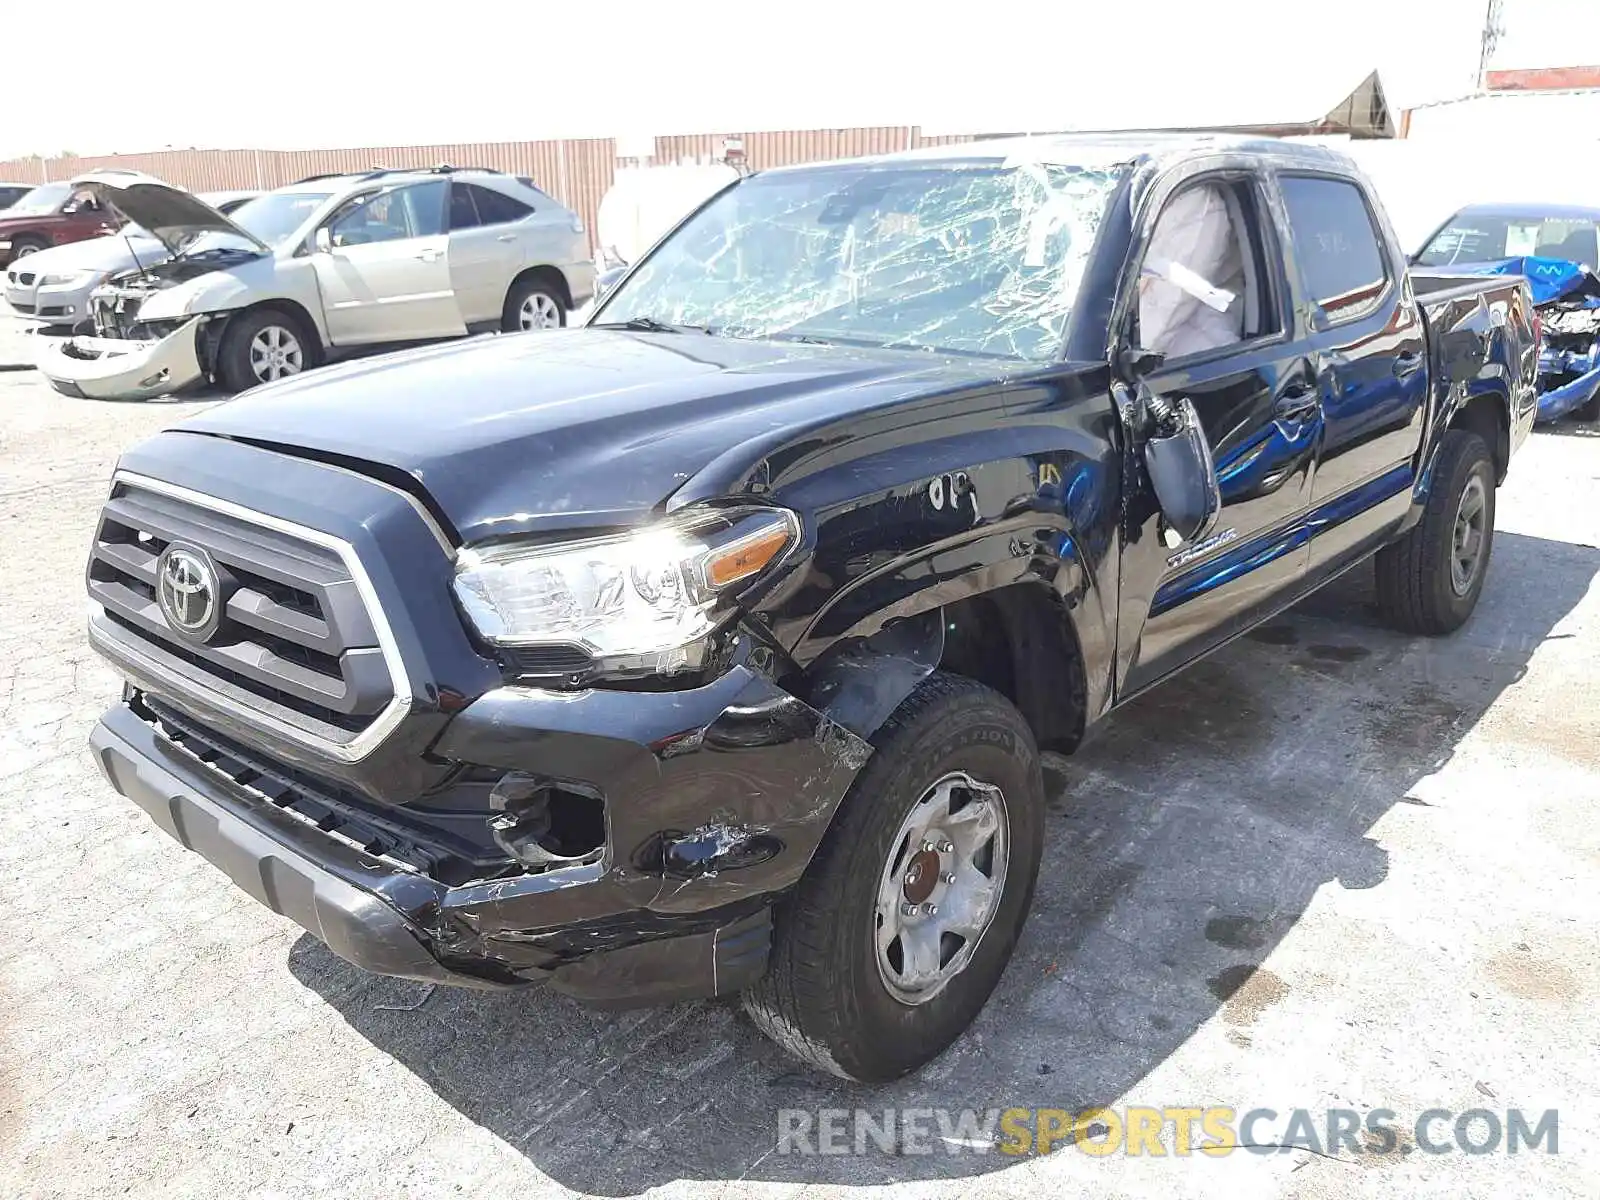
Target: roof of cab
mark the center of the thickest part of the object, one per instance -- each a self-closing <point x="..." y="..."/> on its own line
<point x="1581" y="212"/>
<point x="1111" y="149"/>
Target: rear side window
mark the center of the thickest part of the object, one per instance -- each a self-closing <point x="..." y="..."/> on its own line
<point x="463" y="212"/>
<point x="497" y="208"/>
<point x="1336" y="243"/>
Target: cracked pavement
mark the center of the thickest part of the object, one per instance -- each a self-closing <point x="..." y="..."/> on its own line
<point x="1329" y="866"/>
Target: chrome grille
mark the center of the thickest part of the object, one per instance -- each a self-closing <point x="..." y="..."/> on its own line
<point x="295" y="640"/>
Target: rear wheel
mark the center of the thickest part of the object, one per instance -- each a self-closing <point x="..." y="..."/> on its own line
<point x="261" y="346"/>
<point x="1430" y="580"/>
<point x="905" y="920"/>
<point x="533" y="303"/>
<point x="23" y="246"/>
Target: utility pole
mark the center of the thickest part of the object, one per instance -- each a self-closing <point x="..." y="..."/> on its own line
<point x="1493" y="30"/>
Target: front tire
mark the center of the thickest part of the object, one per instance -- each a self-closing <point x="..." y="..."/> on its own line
<point x="24" y="246"/>
<point x="903" y="924"/>
<point x="1430" y="580"/>
<point x="263" y="346"/>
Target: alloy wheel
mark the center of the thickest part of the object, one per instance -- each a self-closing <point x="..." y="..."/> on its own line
<point x="274" y="353"/>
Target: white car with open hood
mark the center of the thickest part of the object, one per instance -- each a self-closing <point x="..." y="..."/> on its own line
<point x="311" y="271"/>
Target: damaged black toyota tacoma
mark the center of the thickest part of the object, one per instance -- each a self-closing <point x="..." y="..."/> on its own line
<point x="711" y="648"/>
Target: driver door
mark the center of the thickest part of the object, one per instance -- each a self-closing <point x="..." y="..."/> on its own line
<point x="1227" y="343"/>
<point x="383" y="268"/>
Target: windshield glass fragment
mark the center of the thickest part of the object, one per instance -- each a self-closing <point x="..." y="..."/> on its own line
<point x="981" y="259"/>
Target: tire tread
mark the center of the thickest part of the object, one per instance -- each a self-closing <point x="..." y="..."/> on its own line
<point x="799" y="1002"/>
<point x="1410" y="573"/>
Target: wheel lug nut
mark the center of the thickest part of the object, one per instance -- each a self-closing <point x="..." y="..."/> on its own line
<point x="949" y="877"/>
<point x="928" y="846"/>
<point x="946" y="847"/>
<point x="909" y="910"/>
<point x="931" y="909"/>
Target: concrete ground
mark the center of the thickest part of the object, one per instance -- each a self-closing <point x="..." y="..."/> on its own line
<point x="1331" y="866"/>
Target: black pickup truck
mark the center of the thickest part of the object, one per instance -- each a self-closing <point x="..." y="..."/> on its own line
<point x="711" y="648"/>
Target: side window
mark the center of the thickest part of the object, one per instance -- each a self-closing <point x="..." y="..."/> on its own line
<point x="405" y="212"/>
<point x="1202" y="283"/>
<point x="497" y="208"/>
<point x="463" y="212"/>
<point x="1336" y="242"/>
<point x="81" y="202"/>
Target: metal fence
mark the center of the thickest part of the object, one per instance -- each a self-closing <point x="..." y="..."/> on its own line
<point x="577" y="172"/>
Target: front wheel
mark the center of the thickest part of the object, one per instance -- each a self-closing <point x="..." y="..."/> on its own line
<point x="1430" y="580"/>
<point x="24" y="246"/>
<point x="905" y="920"/>
<point x="262" y="346"/>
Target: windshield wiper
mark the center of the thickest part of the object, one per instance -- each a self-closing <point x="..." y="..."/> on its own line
<point x="651" y="325"/>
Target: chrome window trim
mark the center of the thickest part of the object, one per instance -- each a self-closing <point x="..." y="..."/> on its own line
<point x="370" y="738"/>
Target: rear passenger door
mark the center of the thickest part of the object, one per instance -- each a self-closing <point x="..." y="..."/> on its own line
<point x="490" y="234"/>
<point x="1370" y="361"/>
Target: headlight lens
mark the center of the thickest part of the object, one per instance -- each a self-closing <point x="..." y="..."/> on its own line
<point x="66" y="280"/>
<point x="637" y="603"/>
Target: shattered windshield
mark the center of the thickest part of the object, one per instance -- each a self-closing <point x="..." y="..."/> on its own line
<point x="980" y="259"/>
<point x="272" y="218"/>
<point x="42" y="201"/>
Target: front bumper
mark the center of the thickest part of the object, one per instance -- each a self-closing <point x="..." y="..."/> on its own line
<point x="1557" y="402"/>
<point x="113" y="369"/>
<point x="49" y="305"/>
<point x="715" y="800"/>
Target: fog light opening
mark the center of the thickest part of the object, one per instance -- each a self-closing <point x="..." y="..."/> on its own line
<point x="543" y="824"/>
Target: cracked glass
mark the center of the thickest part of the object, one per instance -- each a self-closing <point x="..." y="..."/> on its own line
<point x="972" y="259"/>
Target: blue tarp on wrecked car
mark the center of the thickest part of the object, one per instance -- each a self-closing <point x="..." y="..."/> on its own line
<point x="1550" y="278"/>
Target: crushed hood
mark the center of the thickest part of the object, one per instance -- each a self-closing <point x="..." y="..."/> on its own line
<point x="171" y="215"/>
<point x="573" y="428"/>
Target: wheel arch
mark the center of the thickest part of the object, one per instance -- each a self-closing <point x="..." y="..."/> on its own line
<point x="1019" y="639"/>
<point x="219" y="324"/>
<point x="1487" y="413"/>
<point x="544" y="273"/>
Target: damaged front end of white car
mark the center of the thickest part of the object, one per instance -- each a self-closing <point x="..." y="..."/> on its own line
<point x="151" y="323"/>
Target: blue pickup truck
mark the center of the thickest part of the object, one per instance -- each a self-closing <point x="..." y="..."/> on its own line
<point x="710" y="648"/>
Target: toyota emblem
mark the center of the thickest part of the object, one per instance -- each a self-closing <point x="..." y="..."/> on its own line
<point x="188" y="592"/>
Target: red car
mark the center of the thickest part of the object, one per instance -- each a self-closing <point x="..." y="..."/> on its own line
<point x="51" y="215"/>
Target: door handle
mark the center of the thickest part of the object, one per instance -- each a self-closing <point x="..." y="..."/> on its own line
<point x="428" y="256"/>
<point x="1296" y="403"/>
<point x="506" y="237"/>
<point x="1407" y="364"/>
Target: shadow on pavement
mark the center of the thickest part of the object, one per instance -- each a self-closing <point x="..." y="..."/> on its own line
<point x="1185" y="839"/>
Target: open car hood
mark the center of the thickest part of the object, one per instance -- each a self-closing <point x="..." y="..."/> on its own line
<point x="172" y="216"/>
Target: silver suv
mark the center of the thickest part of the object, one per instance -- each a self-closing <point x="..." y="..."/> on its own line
<point x="312" y="271"/>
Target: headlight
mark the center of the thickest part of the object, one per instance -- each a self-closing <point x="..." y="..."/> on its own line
<point x="640" y="603"/>
<point x="66" y="280"/>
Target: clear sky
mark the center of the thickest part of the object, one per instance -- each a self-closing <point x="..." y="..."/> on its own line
<point x="314" y="73"/>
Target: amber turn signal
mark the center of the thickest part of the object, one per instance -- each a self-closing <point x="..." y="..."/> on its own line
<point x="745" y="557"/>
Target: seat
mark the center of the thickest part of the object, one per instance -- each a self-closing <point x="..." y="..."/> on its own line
<point x="1578" y="246"/>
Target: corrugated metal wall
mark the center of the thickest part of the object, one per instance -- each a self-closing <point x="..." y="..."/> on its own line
<point x="576" y="171"/>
